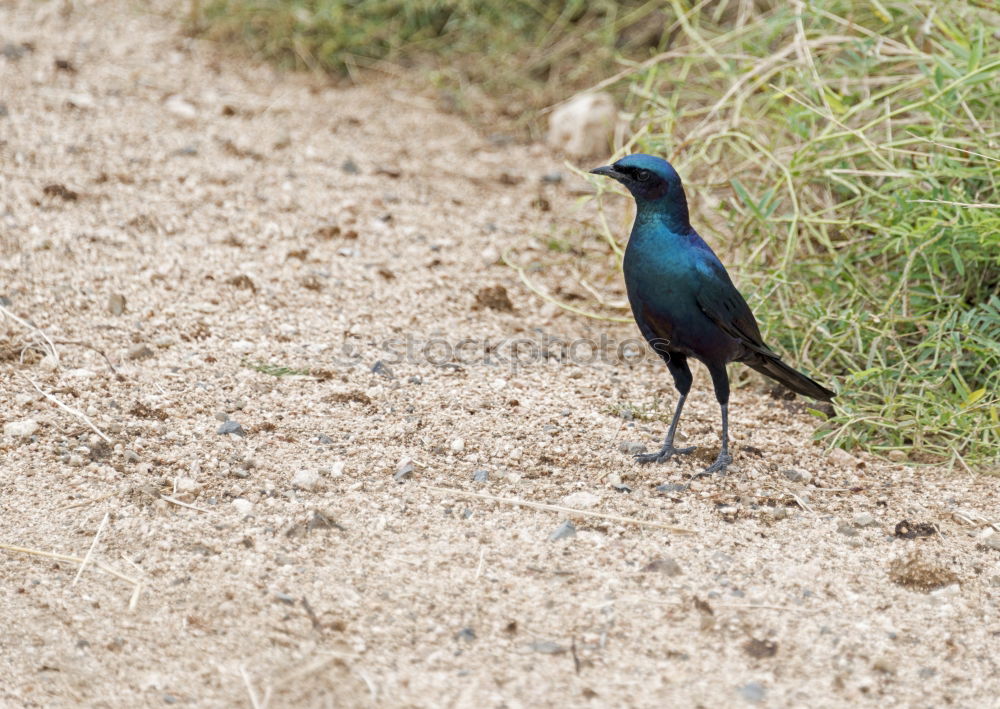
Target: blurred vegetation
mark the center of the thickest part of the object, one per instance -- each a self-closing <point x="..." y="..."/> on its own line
<point x="842" y="156"/>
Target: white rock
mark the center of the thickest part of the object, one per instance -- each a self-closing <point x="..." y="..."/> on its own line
<point x="178" y="106"/>
<point x="20" y="429"/>
<point x="183" y="485"/>
<point x="48" y="363"/>
<point x="458" y="445"/>
<point x="581" y="500"/>
<point x="583" y="126"/>
<point x="243" y="347"/>
<point x="306" y="479"/>
<point x="337" y="469"/>
<point x="242" y="506"/>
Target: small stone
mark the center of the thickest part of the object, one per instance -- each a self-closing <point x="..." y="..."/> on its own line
<point x="847" y="530"/>
<point x="481" y="476"/>
<point x="131" y="456"/>
<point x="865" y="520"/>
<point x="221" y="416"/>
<point x="139" y="351"/>
<point x="552" y="178"/>
<point x="458" y="445"/>
<point x="581" y="500"/>
<point x="666" y="565"/>
<point x="885" y="665"/>
<point x="752" y="692"/>
<point x="564" y="530"/>
<point x="306" y="479"/>
<point x="181" y="108"/>
<point x="242" y="506"/>
<point x="583" y="126"/>
<point x="797" y="476"/>
<point x="242" y="347"/>
<point x="466" y="634"/>
<point x="20" y="429"/>
<point x="231" y="427"/>
<point x="350" y="167"/>
<point x="898" y="456"/>
<point x="992" y="542"/>
<point x="186" y="485"/>
<point x="381" y="368"/>
<point x="77" y="461"/>
<point x="404" y="470"/>
<point x="632" y="447"/>
<point x="673" y="487"/>
<point x="116" y="304"/>
<point x="840" y="457"/>
<point x="547" y="647"/>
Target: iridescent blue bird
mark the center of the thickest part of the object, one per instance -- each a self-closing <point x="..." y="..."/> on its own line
<point x="684" y="302"/>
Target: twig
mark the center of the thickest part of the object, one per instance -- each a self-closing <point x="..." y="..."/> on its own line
<point x="177" y="502"/>
<point x="99" y="351"/>
<point x="67" y="557"/>
<point x="29" y="326"/>
<point x="559" y="508"/>
<point x="254" y="701"/>
<point x="69" y="409"/>
<point x="482" y="561"/>
<point x="85" y="502"/>
<point x="90" y="552"/>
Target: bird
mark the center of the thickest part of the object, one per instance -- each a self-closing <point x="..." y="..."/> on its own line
<point x="684" y="301"/>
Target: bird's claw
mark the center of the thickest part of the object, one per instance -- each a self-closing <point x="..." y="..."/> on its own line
<point x="719" y="466"/>
<point x="663" y="455"/>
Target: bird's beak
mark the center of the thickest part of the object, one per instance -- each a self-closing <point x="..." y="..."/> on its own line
<point x="607" y="171"/>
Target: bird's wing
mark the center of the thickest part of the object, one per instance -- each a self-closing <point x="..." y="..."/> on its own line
<point x="722" y="304"/>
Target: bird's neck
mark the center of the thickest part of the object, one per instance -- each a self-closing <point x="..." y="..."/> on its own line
<point x="654" y="215"/>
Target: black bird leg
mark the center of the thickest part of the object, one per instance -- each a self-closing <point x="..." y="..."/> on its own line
<point x="668" y="450"/>
<point x="720" y="379"/>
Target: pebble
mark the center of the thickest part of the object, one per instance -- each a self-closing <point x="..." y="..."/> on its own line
<point x="181" y="108"/>
<point x="898" y="456"/>
<point x="337" y="469"/>
<point x="581" y="500"/>
<point x="221" y="416"/>
<point x="232" y="427"/>
<point x="672" y="487"/>
<point x="583" y="126"/>
<point x="306" y="479"/>
<point x="186" y="485"/>
<point x="797" y="476"/>
<point x="139" y="351"/>
<point x="381" y="368"/>
<point x="458" y="445"/>
<point x="665" y="565"/>
<point x="865" y="520"/>
<point x="20" y="429"/>
<point x="77" y="461"/>
<point x="131" y="456"/>
<point x="839" y="456"/>
<point x="116" y="304"/>
<point x="49" y="363"/>
<point x="481" y="476"/>
<point x="242" y="347"/>
<point x="242" y="506"/>
<point x="847" y="530"/>
<point x="552" y="178"/>
<point x="564" y="530"/>
<point x="350" y="167"/>
<point x="404" y="470"/>
<point x="547" y="647"/>
<point x="992" y="542"/>
<point x="632" y="447"/>
<point x="752" y="692"/>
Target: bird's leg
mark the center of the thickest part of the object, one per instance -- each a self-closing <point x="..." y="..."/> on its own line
<point x="723" y="460"/>
<point x="668" y="449"/>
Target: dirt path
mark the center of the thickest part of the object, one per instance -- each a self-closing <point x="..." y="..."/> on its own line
<point x="250" y="218"/>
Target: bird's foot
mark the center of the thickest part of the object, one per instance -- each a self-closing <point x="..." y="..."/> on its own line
<point x="663" y="455"/>
<point x="719" y="466"/>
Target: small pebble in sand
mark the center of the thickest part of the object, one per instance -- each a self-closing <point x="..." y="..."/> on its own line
<point x="992" y="542"/>
<point x="481" y="476"/>
<point x="797" y="476"/>
<point x="242" y="506"/>
<point x="116" y="304"/>
<point x="864" y="519"/>
<point x="898" y="456"/>
<point x="139" y="351"/>
<point x="231" y="427"/>
<point x="847" y="530"/>
<point x="458" y="445"/>
<point x="632" y="447"/>
<point x="306" y="479"/>
<point x="581" y="500"/>
<point x="404" y="470"/>
<point x="20" y="429"/>
<point x="564" y="530"/>
<point x="753" y="692"/>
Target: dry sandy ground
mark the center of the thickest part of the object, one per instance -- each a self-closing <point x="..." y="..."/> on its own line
<point x="215" y="199"/>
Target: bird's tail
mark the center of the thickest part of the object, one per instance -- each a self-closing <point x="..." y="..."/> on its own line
<point x="796" y="381"/>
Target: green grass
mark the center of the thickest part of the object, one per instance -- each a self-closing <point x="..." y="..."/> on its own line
<point x="846" y="163"/>
<point x="524" y="54"/>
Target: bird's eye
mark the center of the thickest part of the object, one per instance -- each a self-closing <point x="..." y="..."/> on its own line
<point x="643" y="175"/>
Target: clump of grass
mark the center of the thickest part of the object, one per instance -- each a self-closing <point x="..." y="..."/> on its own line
<point x="529" y="52"/>
<point x="845" y="156"/>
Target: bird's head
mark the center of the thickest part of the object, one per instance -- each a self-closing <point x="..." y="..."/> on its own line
<point x="651" y="180"/>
